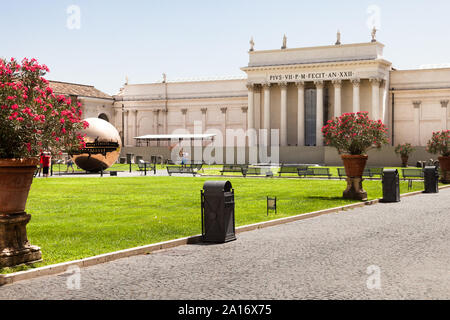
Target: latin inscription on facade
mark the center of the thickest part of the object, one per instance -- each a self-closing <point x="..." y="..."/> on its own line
<point x="312" y="76"/>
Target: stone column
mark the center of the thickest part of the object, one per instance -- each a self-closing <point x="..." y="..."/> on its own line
<point x="319" y="113"/>
<point x="165" y="127"/>
<point x="126" y="129"/>
<point x="204" y="126"/>
<point x="164" y="114"/>
<point x="204" y="119"/>
<point x="155" y="121"/>
<point x="245" y="115"/>
<point x="356" y="103"/>
<point x="251" y="112"/>
<point x="301" y="114"/>
<point x="417" y="122"/>
<point x="266" y="111"/>
<point x="283" y="115"/>
<point x="444" y="105"/>
<point x="337" y="98"/>
<point x="184" y="112"/>
<point x="375" y="98"/>
<point x="251" y="107"/>
<point x="115" y="120"/>
<point x="224" y="121"/>
<point x="135" y="126"/>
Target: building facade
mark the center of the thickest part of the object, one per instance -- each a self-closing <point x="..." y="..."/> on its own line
<point x="294" y="91"/>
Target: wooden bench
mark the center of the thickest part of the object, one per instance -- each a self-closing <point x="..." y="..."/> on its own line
<point x="182" y="169"/>
<point x="256" y="171"/>
<point x="319" y="172"/>
<point x="291" y="169"/>
<point x="412" y="174"/>
<point x="233" y="168"/>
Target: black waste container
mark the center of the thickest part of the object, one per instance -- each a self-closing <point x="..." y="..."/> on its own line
<point x="122" y="160"/>
<point x="129" y="157"/>
<point x="391" y="185"/>
<point x="431" y="179"/>
<point x="217" y="205"/>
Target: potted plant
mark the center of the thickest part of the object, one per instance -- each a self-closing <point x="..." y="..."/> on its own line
<point x="32" y="120"/>
<point x="440" y="144"/>
<point x="404" y="150"/>
<point x="353" y="134"/>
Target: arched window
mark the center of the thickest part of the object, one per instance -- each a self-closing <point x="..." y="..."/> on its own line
<point x="103" y="117"/>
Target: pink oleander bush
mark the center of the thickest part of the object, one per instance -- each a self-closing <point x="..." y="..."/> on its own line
<point x="32" y="118"/>
<point x="404" y="150"/>
<point x="354" y="133"/>
<point x="440" y="143"/>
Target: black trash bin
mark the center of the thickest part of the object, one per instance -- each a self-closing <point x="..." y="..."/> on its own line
<point x="391" y="185"/>
<point x="431" y="179"/>
<point x="217" y="205"/>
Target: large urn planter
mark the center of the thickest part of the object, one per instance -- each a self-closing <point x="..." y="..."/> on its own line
<point x="444" y="164"/>
<point x="16" y="176"/>
<point x="354" y="167"/>
<point x="404" y="161"/>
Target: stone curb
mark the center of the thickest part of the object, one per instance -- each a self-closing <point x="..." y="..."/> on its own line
<point x="147" y="249"/>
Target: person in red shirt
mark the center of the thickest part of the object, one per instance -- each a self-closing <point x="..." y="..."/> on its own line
<point x="41" y="157"/>
<point x="45" y="164"/>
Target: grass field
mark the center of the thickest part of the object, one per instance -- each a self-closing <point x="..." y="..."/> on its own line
<point x="75" y="218"/>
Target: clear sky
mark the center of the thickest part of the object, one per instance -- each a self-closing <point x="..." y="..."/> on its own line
<point x="204" y="38"/>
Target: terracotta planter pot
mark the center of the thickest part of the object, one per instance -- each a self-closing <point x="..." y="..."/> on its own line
<point x="16" y="176"/>
<point x="404" y="161"/>
<point x="354" y="164"/>
<point x="444" y="163"/>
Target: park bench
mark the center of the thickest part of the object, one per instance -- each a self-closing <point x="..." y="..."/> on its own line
<point x="146" y="166"/>
<point x="196" y="166"/>
<point x="233" y="168"/>
<point x="319" y="172"/>
<point x="376" y="172"/>
<point x="256" y="171"/>
<point x="189" y="169"/>
<point x="367" y="173"/>
<point x="291" y="169"/>
<point x="412" y="174"/>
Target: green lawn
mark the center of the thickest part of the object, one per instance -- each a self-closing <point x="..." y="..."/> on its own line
<point x="75" y="218"/>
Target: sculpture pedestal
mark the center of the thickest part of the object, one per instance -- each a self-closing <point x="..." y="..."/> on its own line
<point x="355" y="189"/>
<point x="445" y="177"/>
<point x="14" y="246"/>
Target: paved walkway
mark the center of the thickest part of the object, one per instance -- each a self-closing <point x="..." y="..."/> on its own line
<point x="320" y="258"/>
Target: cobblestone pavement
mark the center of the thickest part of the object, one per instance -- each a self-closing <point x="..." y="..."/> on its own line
<point x="320" y="258"/>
